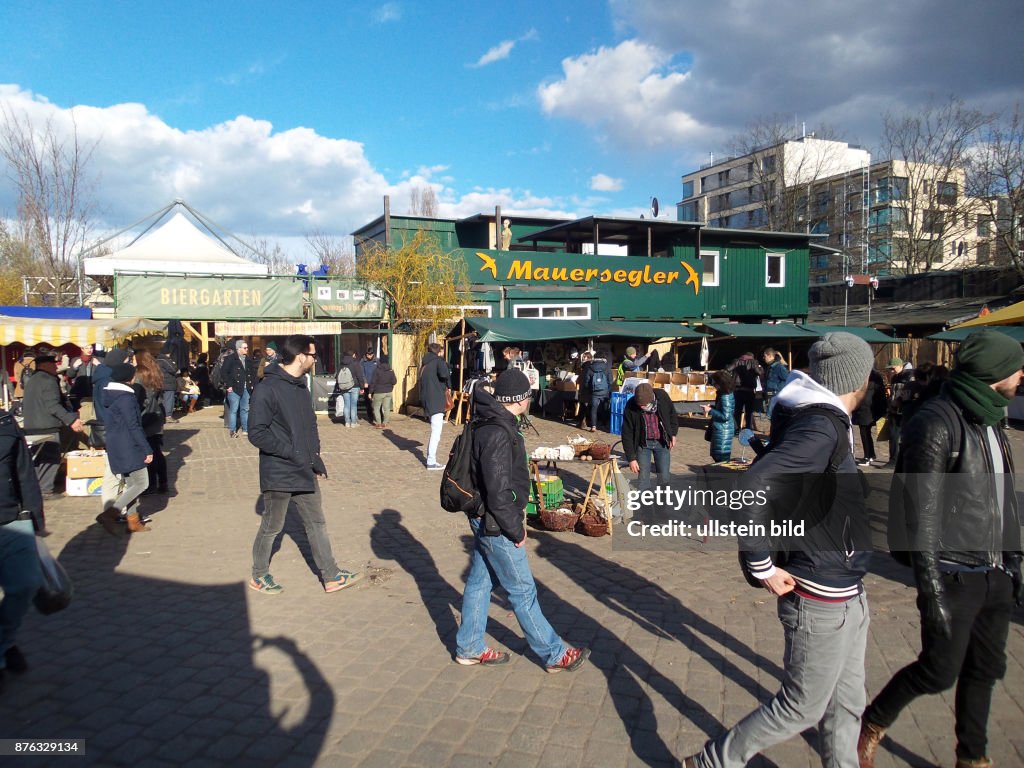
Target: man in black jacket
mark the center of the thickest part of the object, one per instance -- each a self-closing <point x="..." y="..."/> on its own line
<point x="435" y="380"/>
<point x="283" y="427"/>
<point x="239" y="376"/>
<point x="953" y="497"/>
<point x="822" y="605"/>
<point x="48" y="417"/>
<point x="649" y="428"/>
<point x="502" y="475"/>
<point x="21" y="516"/>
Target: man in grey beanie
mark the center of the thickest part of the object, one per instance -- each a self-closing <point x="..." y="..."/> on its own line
<point x="808" y="475"/>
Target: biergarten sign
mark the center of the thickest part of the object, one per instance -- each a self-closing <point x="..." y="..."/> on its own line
<point x="170" y="297"/>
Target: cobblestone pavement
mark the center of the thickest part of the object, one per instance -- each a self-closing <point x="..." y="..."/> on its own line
<point x="166" y="658"/>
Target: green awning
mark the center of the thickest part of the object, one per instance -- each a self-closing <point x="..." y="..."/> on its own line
<point x="761" y="330"/>
<point x="961" y="333"/>
<point x="870" y="335"/>
<point x="529" y="329"/>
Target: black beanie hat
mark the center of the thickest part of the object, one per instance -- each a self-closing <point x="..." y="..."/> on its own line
<point x="121" y="372"/>
<point x="989" y="356"/>
<point x="512" y="386"/>
<point x="116" y="356"/>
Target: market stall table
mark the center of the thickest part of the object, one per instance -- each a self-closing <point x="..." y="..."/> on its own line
<point x="601" y="473"/>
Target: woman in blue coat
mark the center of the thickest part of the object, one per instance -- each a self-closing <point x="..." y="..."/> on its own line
<point x="128" y="450"/>
<point x="723" y="427"/>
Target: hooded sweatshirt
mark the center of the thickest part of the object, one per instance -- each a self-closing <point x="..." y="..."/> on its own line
<point x="830" y="559"/>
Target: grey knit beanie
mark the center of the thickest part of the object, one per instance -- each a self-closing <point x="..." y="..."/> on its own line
<point x="841" y="362"/>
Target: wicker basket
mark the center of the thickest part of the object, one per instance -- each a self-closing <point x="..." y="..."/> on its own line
<point x="600" y="451"/>
<point x="580" y="447"/>
<point x="560" y="519"/>
<point x="592" y="525"/>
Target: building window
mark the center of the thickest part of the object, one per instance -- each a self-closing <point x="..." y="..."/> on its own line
<point x="709" y="268"/>
<point x="768" y="163"/>
<point x="946" y="193"/>
<point x="983" y="253"/>
<point x="688" y="212"/>
<point x="687" y="189"/>
<point x="984" y="226"/>
<point x="775" y="270"/>
<point x="552" y="311"/>
<point x="934" y="222"/>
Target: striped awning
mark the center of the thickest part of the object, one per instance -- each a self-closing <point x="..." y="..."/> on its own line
<point x="30" y="331"/>
<point x="276" y="328"/>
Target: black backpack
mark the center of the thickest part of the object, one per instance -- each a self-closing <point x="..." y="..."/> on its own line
<point x="217" y="372"/>
<point x="459" y="492"/>
<point x="824" y="489"/>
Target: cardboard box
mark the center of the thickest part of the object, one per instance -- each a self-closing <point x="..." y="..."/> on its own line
<point x="84" y="486"/>
<point x="661" y="378"/>
<point x="83" y="464"/>
<point x="696" y="378"/>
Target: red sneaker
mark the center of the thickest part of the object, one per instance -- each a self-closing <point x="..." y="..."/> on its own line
<point x="571" y="660"/>
<point x="489" y="658"/>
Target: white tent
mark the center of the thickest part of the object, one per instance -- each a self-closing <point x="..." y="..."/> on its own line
<point x="177" y="246"/>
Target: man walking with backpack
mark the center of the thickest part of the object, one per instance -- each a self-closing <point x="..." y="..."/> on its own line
<point x="822" y="605"/>
<point x="502" y="477"/>
<point x="597" y="384"/>
<point x="349" y="382"/>
<point x="283" y="427"/>
<point x="953" y="499"/>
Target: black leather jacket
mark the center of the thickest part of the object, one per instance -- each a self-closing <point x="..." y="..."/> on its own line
<point x="502" y="472"/>
<point x="944" y="499"/>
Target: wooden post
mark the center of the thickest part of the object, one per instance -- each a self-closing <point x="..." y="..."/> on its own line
<point x="789" y="352"/>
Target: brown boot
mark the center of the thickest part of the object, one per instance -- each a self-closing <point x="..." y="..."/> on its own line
<point x="135" y="525"/>
<point x="108" y="518"/>
<point x="977" y="762"/>
<point x="870" y="737"/>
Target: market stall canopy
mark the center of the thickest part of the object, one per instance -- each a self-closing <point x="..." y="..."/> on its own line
<point x="762" y="330"/>
<point x="31" y="331"/>
<point x="870" y="335"/>
<point x="176" y="247"/>
<point x="518" y="329"/>
<point x="960" y="332"/>
<point x="1005" y="316"/>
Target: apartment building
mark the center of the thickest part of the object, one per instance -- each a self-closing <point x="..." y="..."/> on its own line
<point x="883" y="218"/>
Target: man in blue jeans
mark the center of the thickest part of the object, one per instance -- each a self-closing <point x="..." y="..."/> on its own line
<point x="499" y="536"/>
<point x="649" y="428"/>
<point x="21" y="515"/>
<point x="239" y="374"/>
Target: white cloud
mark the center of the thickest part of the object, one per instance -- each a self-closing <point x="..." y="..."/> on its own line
<point x="604" y="183"/>
<point x="503" y="49"/>
<point x="244" y="175"/>
<point x="388" y="12"/>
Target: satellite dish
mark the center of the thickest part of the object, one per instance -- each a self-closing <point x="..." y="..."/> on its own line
<point x="654" y="207"/>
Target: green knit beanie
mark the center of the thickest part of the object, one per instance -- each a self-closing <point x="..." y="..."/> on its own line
<point x="989" y="356"/>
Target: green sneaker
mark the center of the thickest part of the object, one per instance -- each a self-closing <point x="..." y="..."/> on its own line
<point x="265" y="584"/>
<point x="343" y="580"/>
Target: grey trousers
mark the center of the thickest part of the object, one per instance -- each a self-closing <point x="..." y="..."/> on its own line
<point x="275" y="508"/>
<point x="823" y="684"/>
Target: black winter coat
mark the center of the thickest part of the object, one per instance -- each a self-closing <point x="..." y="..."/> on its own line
<point x="282" y="425"/>
<point x="238" y="373"/>
<point x="44" y="406"/>
<point x="435" y="378"/>
<point x="125" y="439"/>
<point x="874" y="405"/>
<point x="501" y="470"/>
<point x="384" y="380"/>
<point x="352" y="363"/>
<point x="939" y="501"/>
<point x="169" y="371"/>
<point x="19" y="487"/>
<point x="633" y="433"/>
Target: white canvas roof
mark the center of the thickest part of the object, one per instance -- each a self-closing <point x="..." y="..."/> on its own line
<point x="177" y="246"/>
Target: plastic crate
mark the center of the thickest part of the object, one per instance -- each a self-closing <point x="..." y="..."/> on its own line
<point x="619" y="400"/>
<point x="552" y="490"/>
<point x="616" y="424"/>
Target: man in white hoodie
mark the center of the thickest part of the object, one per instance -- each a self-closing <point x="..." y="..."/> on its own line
<point x="809" y="471"/>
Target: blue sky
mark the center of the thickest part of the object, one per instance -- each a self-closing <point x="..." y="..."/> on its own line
<point x="280" y="119"/>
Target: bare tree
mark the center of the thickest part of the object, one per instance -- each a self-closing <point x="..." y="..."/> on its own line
<point x="55" y="195"/>
<point x="995" y="177"/>
<point x="928" y="149"/>
<point x="784" y="163"/>
<point x="423" y="202"/>
<point x="269" y="252"/>
<point x="335" y="253"/>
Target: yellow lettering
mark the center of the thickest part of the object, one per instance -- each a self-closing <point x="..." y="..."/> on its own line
<point x="647" y="273"/>
<point x="635" y="277"/>
<point x="238" y="297"/>
<point x="576" y="276"/>
<point x="606" y="275"/>
<point x="520" y="270"/>
<point x="560" y="273"/>
<point x="542" y="273"/>
<point x="204" y="297"/>
<point x="165" y="296"/>
<point x="659" y="278"/>
<point x="672" y="277"/>
<point x="247" y="298"/>
<point x="192" y="293"/>
<point x="620" y="275"/>
<point x="216" y="299"/>
<point x="591" y="274"/>
<point x="257" y="298"/>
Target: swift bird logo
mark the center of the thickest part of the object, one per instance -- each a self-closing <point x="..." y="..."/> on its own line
<point x="489" y="264"/>
<point x="693" y="278"/>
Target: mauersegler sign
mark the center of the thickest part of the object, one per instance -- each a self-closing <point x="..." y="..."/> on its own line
<point x="168" y="297"/>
